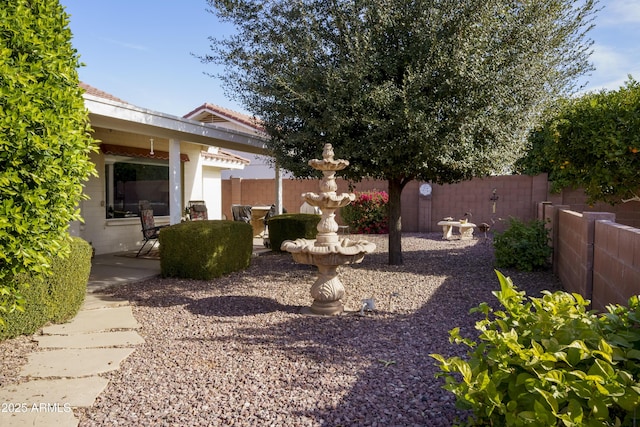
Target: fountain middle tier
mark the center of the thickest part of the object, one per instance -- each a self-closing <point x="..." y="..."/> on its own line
<point x="328" y="200"/>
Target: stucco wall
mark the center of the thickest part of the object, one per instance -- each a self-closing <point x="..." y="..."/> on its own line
<point x="199" y="182"/>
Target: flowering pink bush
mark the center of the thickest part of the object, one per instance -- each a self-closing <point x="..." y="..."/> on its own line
<point x="368" y="214"/>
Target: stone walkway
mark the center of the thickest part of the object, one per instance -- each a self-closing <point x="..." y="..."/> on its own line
<point x="65" y="371"/>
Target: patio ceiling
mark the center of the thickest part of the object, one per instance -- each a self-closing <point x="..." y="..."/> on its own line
<point x="110" y="114"/>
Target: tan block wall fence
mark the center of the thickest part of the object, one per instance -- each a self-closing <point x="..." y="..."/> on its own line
<point x="593" y="254"/>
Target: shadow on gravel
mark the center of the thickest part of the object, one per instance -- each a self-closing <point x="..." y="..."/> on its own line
<point x="238" y="305"/>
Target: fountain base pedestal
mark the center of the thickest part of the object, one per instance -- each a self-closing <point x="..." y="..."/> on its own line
<point x="327" y="291"/>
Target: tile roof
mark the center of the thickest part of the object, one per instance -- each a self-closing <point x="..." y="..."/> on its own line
<point x="99" y="93"/>
<point x="227" y="114"/>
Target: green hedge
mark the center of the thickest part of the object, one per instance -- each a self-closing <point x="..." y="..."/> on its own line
<point x="290" y="227"/>
<point x="56" y="298"/>
<point x="205" y="249"/>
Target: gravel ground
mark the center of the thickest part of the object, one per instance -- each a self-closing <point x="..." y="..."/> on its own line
<point x="236" y="351"/>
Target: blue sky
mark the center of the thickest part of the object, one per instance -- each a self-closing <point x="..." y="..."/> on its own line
<point x="141" y="50"/>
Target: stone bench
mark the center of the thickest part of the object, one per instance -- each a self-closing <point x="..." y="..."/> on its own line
<point x="465" y="229"/>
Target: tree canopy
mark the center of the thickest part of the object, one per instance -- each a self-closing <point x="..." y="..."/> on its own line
<point x="591" y="142"/>
<point x="430" y="90"/>
<point x="44" y="140"/>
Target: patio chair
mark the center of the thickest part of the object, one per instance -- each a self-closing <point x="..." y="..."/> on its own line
<point x="197" y="210"/>
<point x="241" y="213"/>
<point x="150" y="231"/>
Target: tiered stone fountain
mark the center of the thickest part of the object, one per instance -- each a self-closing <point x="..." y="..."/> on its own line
<point x="328" y="251"/>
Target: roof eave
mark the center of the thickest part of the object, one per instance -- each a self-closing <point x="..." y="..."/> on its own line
<point x="115" y="115"/>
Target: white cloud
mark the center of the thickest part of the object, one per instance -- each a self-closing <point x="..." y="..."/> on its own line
<point x="616" y="12"/>
<point x="612" y="65"/>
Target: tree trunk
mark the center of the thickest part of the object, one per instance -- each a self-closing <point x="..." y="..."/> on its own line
<point x="395" y="222"/>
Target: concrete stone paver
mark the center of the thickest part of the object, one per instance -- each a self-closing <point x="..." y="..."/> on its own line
<point x="90" y="340"/>
<point x="75" y="362"/>
<point x="99" y="319"/>
<point x="63" y="392"/>
<point x="96" y="301"/>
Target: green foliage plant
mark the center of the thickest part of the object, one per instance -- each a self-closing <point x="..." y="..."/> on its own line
<point x="591" y="142"/>
<point x="291" y="227"/>
<point x="524" y="246"/>
<point x="45" y="142"/>
<point x="205" y="250"/>
<point x="547" y="362"/>
<point x="368" y="213"/>
<point x="51" y="298"/>
<point x="429" y="90"/>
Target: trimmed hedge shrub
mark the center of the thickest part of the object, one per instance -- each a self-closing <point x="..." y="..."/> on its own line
<point x="68" y="285"/>
<point x="524" y="246"/>
<point x="291" y="227"/>
<point x="548" y="362"/>
<point x="204" y="250"/>
<point x="56" y="297"/>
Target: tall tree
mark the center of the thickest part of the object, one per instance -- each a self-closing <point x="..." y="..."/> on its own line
<point x="44" y="140"/>
<point x="430" y="90"/>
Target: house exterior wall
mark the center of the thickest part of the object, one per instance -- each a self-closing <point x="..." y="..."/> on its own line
<point x="107" y="235"/>
<point x="211" y="191"/>
<point x="124" y="234"/>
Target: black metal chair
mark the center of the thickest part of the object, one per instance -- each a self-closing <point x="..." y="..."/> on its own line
<point x="150" y="230"/>
<point x="241" y="213"/>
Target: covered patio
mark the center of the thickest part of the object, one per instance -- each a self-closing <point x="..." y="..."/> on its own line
<point x="148" y="155"/>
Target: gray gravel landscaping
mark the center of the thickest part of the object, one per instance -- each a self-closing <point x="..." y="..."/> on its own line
<point x="236" y="351"/>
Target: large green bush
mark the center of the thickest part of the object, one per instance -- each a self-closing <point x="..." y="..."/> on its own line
<point x="591" y="142"/>
<point x="44" y="141"/>
<point x="368" y="214"/>
<point x="291" y="227"/>
<point x="548" y="362"/>
<point x="524" y="246"/>
<point x="205" y="249"/>
<point x="56" y="297"/>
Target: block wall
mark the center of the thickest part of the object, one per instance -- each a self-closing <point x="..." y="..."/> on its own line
<point x="616" y="266"/>
<point x="571" y="252"/>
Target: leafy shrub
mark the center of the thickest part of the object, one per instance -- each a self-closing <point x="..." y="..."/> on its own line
<point x="205" y="249"/>
<point x="56" y="297"/>
<point x="585" y="139"/>
<point x="524" y="246"/>
<point x="44" y="133"/>
<point x="368" y="214"/>
<point x="68" y="283"/>
<point x="548" y="362"/>
<point x="291" y="227"/>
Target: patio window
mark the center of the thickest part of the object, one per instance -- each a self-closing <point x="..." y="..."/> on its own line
<point x="130" y="180"/>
